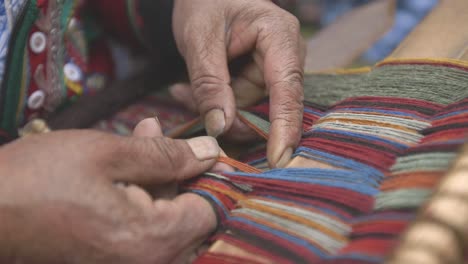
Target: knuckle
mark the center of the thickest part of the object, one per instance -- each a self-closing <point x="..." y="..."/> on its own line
<point x="206" y="88"/>
<point x="289" y="112"/>
<point x="167" y="154"/>
<point x="292" y="22"/>
<point x="291" y="104"/>
<point x="206" y="82"/>
<point x="292" y="75"/>
<point x="109" y="153"/>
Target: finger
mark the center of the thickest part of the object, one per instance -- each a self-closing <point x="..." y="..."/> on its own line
<point x="137" y="196"/>
<point x="206" y="58"/>
<point x="249" y="86"/>
<point x="282" y="49"/>
<point x="240" y="132"/>
<point x="187" y="220"/>
<point x="189" y="254"/>
<point x="149" y="127"/>
<point x="220" y="167"/>
<point x="182" y="93"/>
<point x="159" y="160"/>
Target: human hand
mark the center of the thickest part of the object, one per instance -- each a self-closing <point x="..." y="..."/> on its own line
<point x="59" y="201"/>
<point x="209" y="33"/>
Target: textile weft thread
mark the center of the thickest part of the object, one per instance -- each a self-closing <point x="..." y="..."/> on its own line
<point x="375" y="145"/>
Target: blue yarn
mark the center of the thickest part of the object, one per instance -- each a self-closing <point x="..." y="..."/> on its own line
<point x="4" y="37"/>
<point x="419" y="7"/>
<point x="369" y="172"/>
<point x="329" y="177"/>
<point x="360" y="257"/>
<point x="257" y="161"/>
<point x="290" y="238"/>
<point x="212" y="198"/>
<point x="451" y="114"/>
<point x="310" y="111"/>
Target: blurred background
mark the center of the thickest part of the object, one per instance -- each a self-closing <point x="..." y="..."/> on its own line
<point x="316" y="14"/>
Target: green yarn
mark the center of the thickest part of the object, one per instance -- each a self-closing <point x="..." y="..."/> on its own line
<point x="259" y="122"/>
<point x="403" y="198"/>
<point x="438" y="84"/>
<point x="435" y="161"/>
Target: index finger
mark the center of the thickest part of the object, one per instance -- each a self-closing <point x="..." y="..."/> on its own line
<point x="282" y="49"/>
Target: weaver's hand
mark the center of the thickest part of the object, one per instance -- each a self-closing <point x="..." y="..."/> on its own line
<point x="59" y="201"/>
<point x="209" y="33"/>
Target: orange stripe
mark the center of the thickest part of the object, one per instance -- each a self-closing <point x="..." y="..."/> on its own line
<point x="294" y="218"/>
<point x="292" y="204"/>
<point x="179" y="131"/>
<point x="412" y="180"/>
<point x="227" y="192"/>
<point x="253" y="126"/>
<point x="440" y="61"/>
<point x="239" y="165"/>
<point x="280" y="228"/>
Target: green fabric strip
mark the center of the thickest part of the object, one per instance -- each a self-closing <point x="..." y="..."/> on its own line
<point x="14" y="75"/>
<point x="67" y="12"/>
<point x="260" y="123"/>
<point x="435" y="161"/>
<point x="403" y="198"/>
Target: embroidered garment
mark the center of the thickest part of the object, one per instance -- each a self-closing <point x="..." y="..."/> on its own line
<point x="376" y="142"/>
<point x="9" y="11"/>
<point x="54" y="51"/>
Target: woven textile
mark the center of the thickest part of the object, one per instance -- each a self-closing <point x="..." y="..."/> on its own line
<point x="375" y="144"/>
<point x="169" y="113"/>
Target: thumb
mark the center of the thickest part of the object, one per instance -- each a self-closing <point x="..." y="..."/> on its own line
<point x="162" y="160"/>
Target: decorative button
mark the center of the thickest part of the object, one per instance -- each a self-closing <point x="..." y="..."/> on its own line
<point x="36" y="100"/>
<point x="35" y="126"/>
<point x="38" y="42"/>
<point x="72" y="72"/>
<point x="73" y="23"/>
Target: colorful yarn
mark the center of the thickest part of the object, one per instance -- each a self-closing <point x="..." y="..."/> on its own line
<point x="370" y="158"/>
<point x="169" y="113"/>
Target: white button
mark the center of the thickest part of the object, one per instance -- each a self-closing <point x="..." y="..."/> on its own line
<point x="36" y="100"/>
<point x="38" y="42"/>
<point x="72" y="72"/>
<point x="73" y="23"/>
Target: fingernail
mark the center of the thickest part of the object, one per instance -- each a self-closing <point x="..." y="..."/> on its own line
<point x="204" y="148"/>
<point x="157" y="120"/>
<point x="215" y="122"/>
<point x="285" y="158"/>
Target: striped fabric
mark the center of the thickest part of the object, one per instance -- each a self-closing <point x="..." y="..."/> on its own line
<point x="367" y="161"/>
<point x="9" y="11"/>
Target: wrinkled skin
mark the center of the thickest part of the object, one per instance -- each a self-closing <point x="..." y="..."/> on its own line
<point x="209" y="33"/>
<point x="59" y="201"/>
<point x="62" y="199"/>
